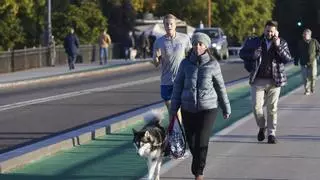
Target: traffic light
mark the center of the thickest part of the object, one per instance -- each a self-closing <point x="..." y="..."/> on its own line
<point x="299" y="23"/>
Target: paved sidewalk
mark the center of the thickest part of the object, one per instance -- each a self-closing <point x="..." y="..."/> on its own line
<point x="235" y="154"/>
<point x="31" y="75"/>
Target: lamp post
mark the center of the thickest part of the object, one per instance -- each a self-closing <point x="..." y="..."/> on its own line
<point x="209" y="13"/>
<point x="49" y="28"/>
<point x="51" y="59"/>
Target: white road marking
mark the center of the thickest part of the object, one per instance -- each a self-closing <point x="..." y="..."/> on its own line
<point x="76" y="93"/>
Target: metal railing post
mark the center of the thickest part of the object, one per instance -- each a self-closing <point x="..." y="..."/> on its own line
<point x="12" y="61"/>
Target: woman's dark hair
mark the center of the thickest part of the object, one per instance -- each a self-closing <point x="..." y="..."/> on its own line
<point x="212" y="58"/>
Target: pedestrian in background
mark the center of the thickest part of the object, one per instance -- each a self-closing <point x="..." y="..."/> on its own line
<point x="152" y="38"/>
<point x="129" y="46"/>
<point x="308" y="54"/>
<point x="199" y="89"/>
<point x="104" y="43"/>
<point x="169" y="50"/>
<point x="71" y="45"/>
<point x="264" y="57"/>
<point x="144" y="45"/>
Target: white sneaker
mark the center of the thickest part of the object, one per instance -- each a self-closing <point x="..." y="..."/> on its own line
<point x="307" y="93"/>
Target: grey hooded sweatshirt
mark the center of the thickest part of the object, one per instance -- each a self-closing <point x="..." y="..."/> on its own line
<point x="199" y="86"/>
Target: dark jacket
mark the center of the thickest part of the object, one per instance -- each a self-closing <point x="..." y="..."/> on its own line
<point x="307" y="52"/>
<point x="129" y="42"/>
<point x="71" y="44"/>
<point x="199" y="85"/>
<point x="279" y="58"/>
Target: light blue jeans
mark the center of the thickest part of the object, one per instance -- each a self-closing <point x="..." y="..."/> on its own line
<point x="103" y="55"/>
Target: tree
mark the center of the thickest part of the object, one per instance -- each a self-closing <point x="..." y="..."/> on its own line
<point x="32" y="15"/>
<point x="240" y="19"/>
<point x="11" y="32"/>
<point x="191" y="11"/>
<point x="121" y="16"/>
<point x="87" y="20"/>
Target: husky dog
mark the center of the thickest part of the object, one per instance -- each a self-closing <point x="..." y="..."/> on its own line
<point x="150" y="142"/>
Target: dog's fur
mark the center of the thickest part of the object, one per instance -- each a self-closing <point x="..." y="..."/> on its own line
<point x="149" y="142"/>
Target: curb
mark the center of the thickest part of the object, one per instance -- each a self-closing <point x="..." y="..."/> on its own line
<point x="33" y="152"/>
<point x="84" y="73"/>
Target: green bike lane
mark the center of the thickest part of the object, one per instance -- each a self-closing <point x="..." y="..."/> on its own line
<point x="114" y="157"/>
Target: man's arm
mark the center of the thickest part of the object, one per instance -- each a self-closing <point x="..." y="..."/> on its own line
<point x="157" y="58"/>
<point x="156" y="54"/>
<point x="284" y="52"/>
<point x="77" y="41"/>
<point x="317" y="49"/>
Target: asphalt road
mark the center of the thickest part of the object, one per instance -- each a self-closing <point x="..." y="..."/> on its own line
<point x="36" y="112"/>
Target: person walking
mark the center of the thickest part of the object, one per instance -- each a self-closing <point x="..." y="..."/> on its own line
<point x="169" y="50"/>
<point x="264" y="57"/>
<point x="129" y="46"/>
<point x="104" y="43"/>
<point x="199" y="89"/>
<point x="308" y="53"/>
<point x="71" y="45"/>
<point x="144" y="45"/>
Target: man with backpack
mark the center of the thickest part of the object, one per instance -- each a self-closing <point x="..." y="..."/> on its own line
<point x="264" y="58"/>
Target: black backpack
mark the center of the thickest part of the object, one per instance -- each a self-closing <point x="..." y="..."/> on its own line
<point x="247" y="52"/>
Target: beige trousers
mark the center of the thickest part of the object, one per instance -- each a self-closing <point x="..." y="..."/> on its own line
<point x="265" y="93"/>
<point x="309" y="76"/>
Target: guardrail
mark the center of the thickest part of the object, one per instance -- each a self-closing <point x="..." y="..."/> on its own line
<point x="22" y="59"/>
<point x="234" y="51"/>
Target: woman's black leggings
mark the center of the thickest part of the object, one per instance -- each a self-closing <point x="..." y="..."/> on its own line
<point x="198" y="129"/>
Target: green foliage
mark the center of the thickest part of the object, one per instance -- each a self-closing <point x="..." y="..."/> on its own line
<point x="191" y="11"/>
<point x="23" y="21"/>
<point x="244" y="18"/>
<point x="10" y="29"/>
<point x="31" y="13"/>
<point x="238" y="18"/>
<point x="87" y="20"/>
<point x="121" y="17"/>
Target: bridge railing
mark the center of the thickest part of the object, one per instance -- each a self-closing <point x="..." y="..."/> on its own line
<point x="22" y="59"/>
<point x="234" y="51"/>
<point x="27" y="58"/>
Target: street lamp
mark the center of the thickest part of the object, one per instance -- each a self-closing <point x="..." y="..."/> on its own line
<point x="209" y="13"/>
<point x="51" y="57"/>
<point x="49" y="23"/>
<point x="299" y="23"/>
